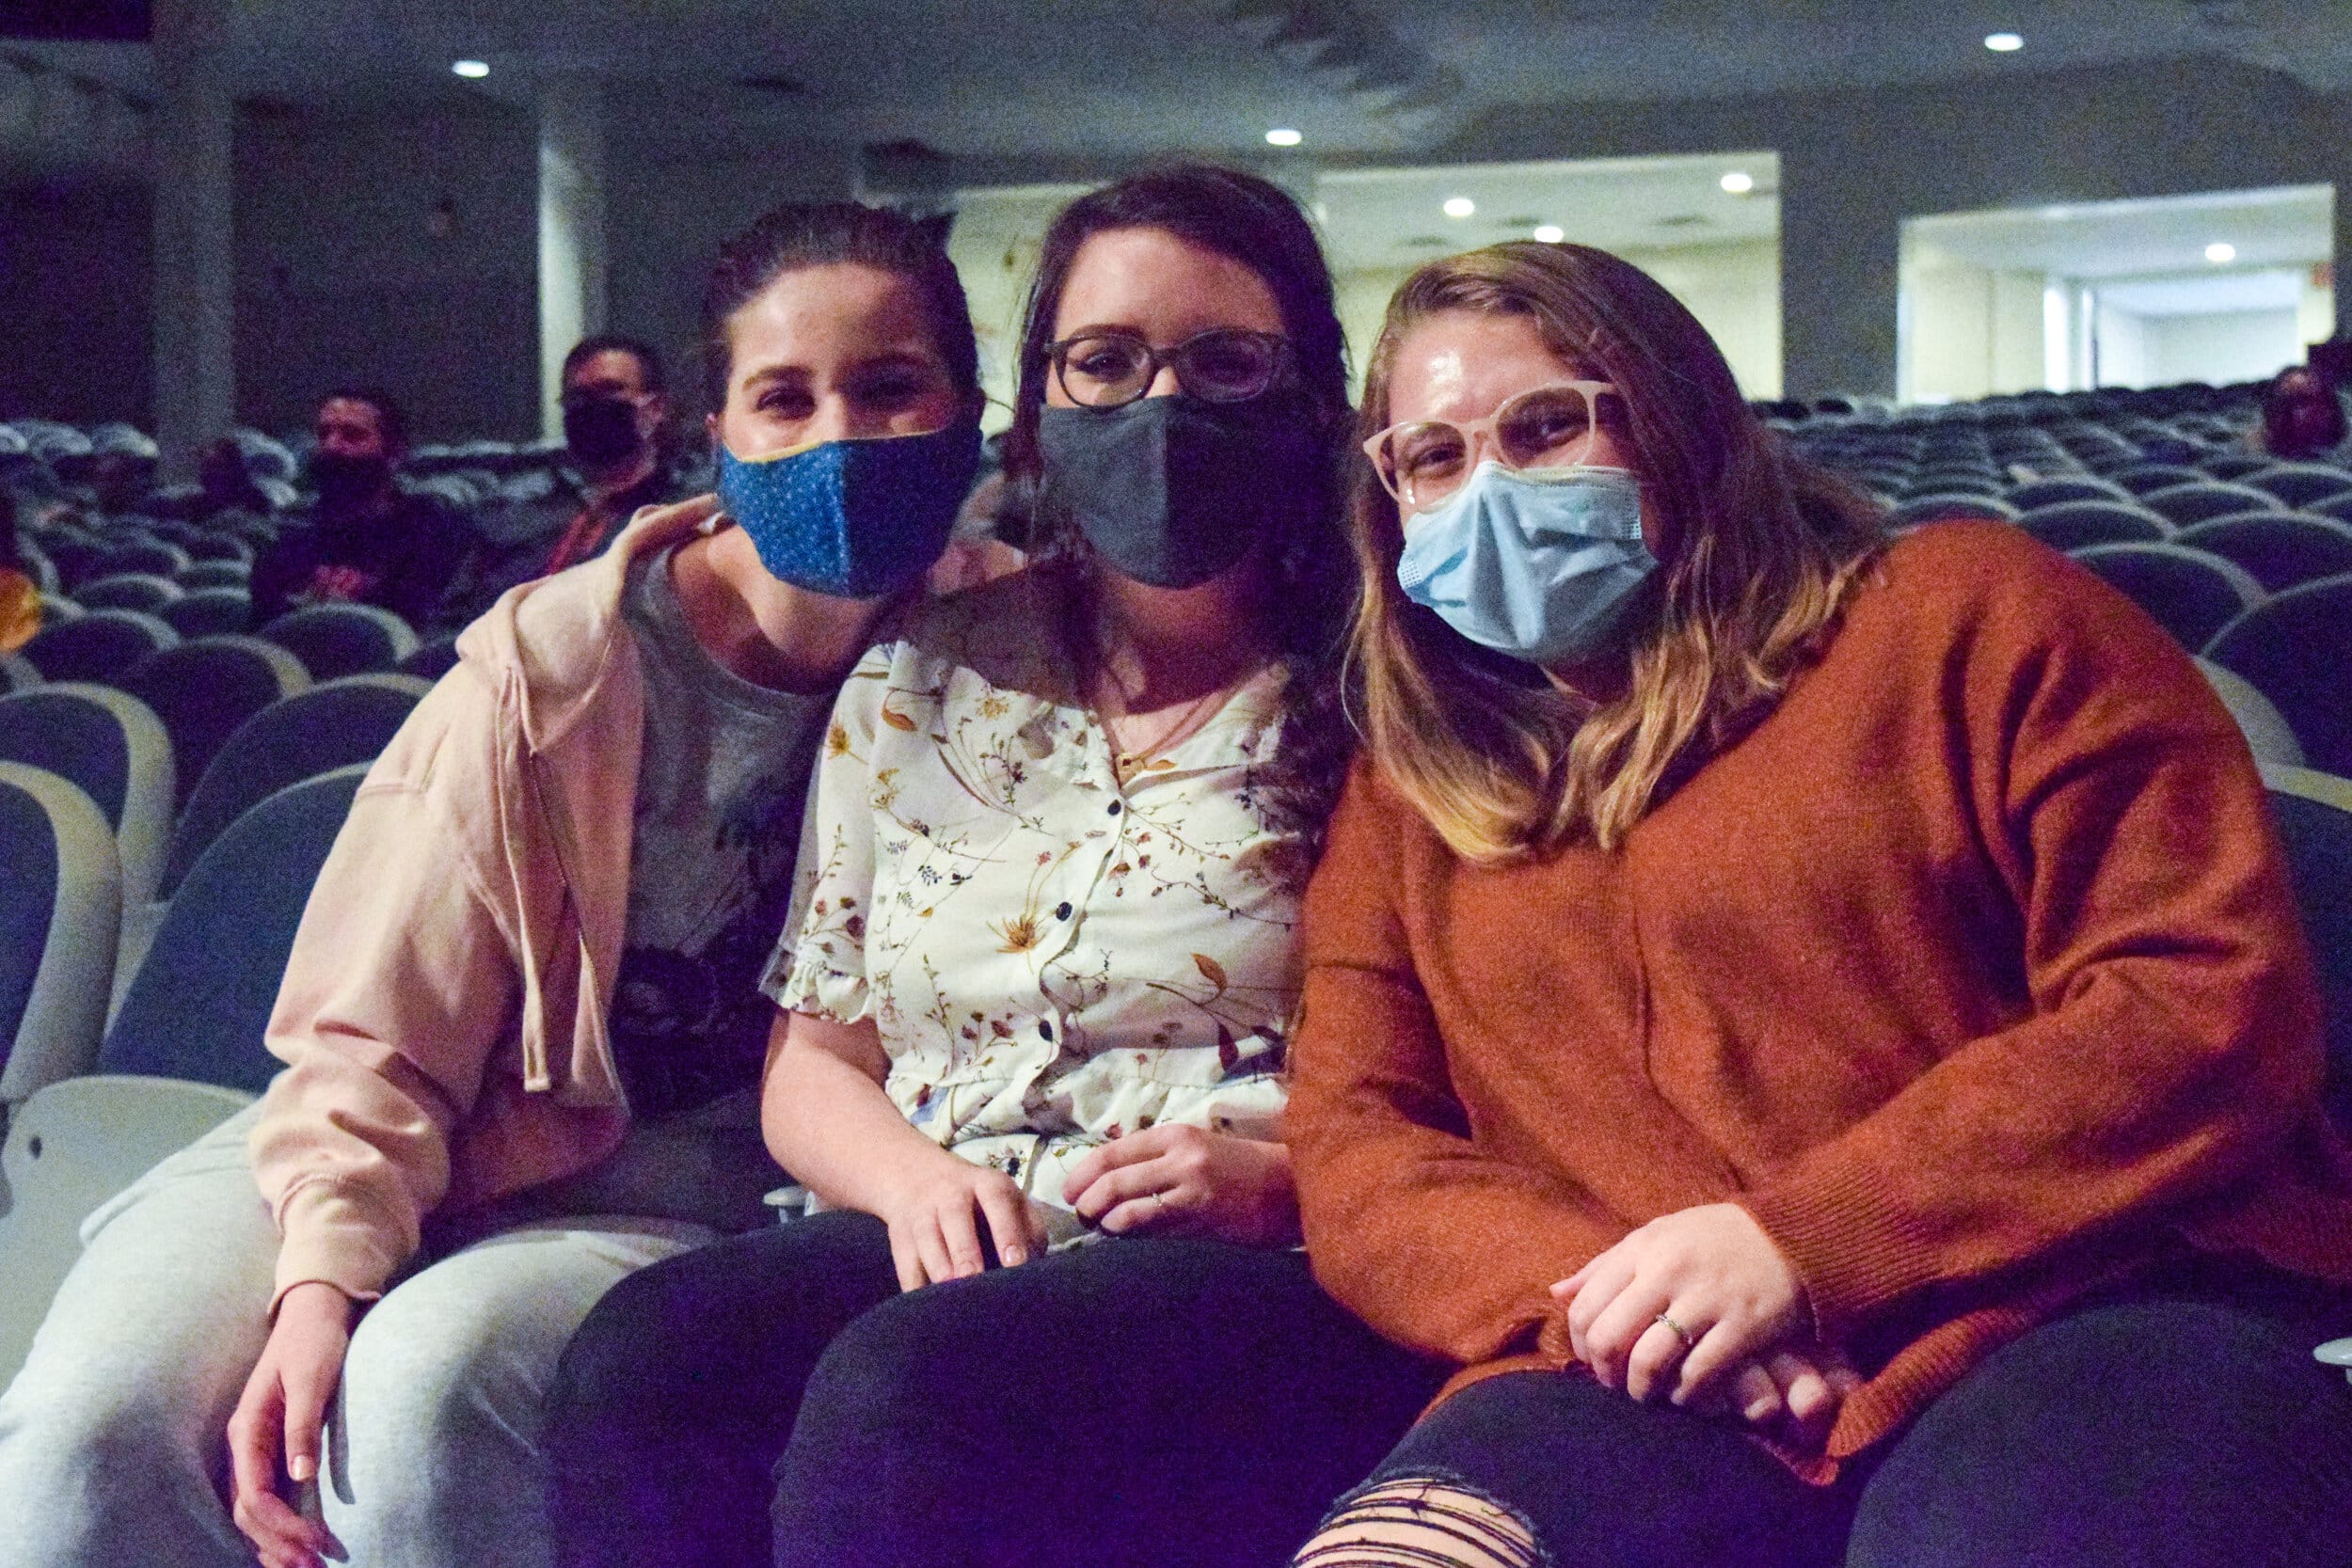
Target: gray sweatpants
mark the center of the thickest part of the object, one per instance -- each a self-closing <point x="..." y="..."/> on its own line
<point x="113" y="1438"/>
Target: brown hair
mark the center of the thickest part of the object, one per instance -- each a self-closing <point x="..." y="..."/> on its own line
<point x="1311" y="597"/>
<point x="1760" y="552"/>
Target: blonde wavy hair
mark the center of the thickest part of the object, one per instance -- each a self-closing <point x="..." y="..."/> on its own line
<point x="1761" y="552"/>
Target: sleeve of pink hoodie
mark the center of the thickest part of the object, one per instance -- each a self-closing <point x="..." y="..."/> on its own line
<point x="399" y="985"/>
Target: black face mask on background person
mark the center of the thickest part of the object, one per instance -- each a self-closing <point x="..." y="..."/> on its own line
<point x="601" y="429"/>
<point x="1171" y="491"/>
<point x="341" y="480"/>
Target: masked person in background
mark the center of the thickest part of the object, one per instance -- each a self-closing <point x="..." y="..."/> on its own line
<point x="1747" y="938"/>
<point x="1034" y="992"/>
<point x="615" y="405"/>
<point x="362" y="539"/>
<point x="521" y="1018"/>
<point x="20" y="595"/>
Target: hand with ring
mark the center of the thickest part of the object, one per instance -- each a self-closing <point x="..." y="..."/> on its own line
<point x="1682" y="1304"/>
<point x="1176" y="1179"/>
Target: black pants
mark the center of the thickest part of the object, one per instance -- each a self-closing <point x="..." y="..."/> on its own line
<point x="2160" y="1431"/>
<point x="1136" y="1401"/>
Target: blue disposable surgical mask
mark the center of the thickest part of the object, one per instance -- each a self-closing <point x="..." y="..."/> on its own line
<point x="852" y="519"/>
<point x="1544" y="564"/>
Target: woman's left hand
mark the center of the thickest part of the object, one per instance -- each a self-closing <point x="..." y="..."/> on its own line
<point x="1178" y="1179"/>
<point x="1710" y="1272"/>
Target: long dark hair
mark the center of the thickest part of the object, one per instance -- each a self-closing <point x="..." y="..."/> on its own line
<point x="1311" y="595"/>
<point x="818" y="233"/>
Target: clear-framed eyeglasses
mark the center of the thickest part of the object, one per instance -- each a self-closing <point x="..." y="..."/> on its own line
<point x="1422" y="462"/>
<point x="1225" y="364"/>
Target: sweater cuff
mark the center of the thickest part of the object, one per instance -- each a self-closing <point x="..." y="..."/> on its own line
<point x="1853" y="1249"/>
<point x="330" y="1238"/>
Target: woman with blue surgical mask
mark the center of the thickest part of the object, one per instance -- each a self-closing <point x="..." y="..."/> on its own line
<point x="1812" y="1029"/>
<point x="1035" y="997"/>
<point x="521" y="1019"/>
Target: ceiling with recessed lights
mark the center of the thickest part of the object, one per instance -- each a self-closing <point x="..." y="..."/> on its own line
<point x="2289" y="226"/>
<point x="1096" y="79"/>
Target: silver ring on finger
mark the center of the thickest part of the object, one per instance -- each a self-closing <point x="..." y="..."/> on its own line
<point x="1679" y="1332"/>
<point x="1159" y="1203"/>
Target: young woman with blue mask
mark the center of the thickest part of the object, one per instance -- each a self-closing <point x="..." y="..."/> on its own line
<point x="521" y="1019"/>
<point x="1036" y="993"/>
<point x="1890" y="1132"/>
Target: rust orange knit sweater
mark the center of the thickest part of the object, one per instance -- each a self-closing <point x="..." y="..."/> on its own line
<point x="1972" y="972"/>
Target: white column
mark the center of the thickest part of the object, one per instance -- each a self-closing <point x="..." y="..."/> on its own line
<point x="196" y="375"/>
<point x="572" y="256"/>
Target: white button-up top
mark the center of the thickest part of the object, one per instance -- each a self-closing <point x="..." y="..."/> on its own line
<point x="1052" y="956"/>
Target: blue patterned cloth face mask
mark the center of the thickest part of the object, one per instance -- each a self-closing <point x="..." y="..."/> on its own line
<point x="1543" y="564"/>
<point x="852" y="519"/>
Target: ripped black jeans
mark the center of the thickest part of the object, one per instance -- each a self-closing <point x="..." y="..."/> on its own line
<point x="2175" y="1426"/>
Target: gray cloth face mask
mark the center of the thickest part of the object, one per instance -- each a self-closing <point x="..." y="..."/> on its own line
<point x="1171" y="491"/>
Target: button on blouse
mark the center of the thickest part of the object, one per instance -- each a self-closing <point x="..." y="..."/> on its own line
<point x="1051" y="955"/>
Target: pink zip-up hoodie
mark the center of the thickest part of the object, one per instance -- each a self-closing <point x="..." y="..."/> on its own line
<point x="442" y="1014"/>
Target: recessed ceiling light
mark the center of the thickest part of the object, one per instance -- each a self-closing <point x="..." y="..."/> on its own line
<point x="2219" y="251"/>
<point x="1738" y="182"/>
<point x="1282" y="136"/>
<point x="1459" y="206"/>
<point x="1550" y="234"/>
<point x="2004" y="43"/>
<point x="473" y="70"/>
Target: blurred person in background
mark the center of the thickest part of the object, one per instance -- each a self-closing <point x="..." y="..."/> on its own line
<point x="2303" y="419"/>
<point x="362" y="539"/>
<point x="615" y="407"/>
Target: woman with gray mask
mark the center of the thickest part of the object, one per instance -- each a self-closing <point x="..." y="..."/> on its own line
<point x="1035" y="993"/>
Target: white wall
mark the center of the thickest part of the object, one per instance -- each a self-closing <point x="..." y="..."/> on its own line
<point x="1966" y="332"/>
<point x="2122" y="351"/>
<point x="2240" y="345"/>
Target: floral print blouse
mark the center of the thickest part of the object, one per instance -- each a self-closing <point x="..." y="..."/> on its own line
<point x="1053" y="954"/>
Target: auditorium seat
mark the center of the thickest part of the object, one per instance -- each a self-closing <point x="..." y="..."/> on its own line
<point x="1944" y="505"/>
<point x="184" y="1052"/>
<point x="2300" y="484"/>
<point x="335" y="724"/>
<point x="2295" y="647"/>
<point x="102" y="646"/>
<point x="2313" y="812"/>
<point x="56" y="610"/>
<point x="2142" y="478"/>
<point x="2192" y="595"/>
<point x="2233" y="464"/>
<point x="154" y="557"/>
<point x="2338" y="507"/>
<point x="16" y="674"/>
<point x="60" y="909"/>
<point x="2074" y="525"/>
<point x="2050" y="491"/>
<point x="217" y="549"/>
<point x="334" y="639"/>
<point x="2184" y="504"/>
<point x="217" y="573"/>
<point x="432" y="660"/>
<point x="2268" y="735"/>
<point x="203" y="689"/>
<point x="127" y="591"/>
<point x="109" y="745"/>
<point x="209" y="613"/>
<point x="2279" y="549"/>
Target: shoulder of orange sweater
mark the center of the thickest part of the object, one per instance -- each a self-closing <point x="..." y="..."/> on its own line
<point x="2014" y="599"/>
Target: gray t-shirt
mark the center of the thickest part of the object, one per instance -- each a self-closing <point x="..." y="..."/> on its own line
<point x="719" y="798"/>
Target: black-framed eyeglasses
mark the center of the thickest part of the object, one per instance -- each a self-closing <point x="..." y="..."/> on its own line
<point x="1225" y="364"/>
